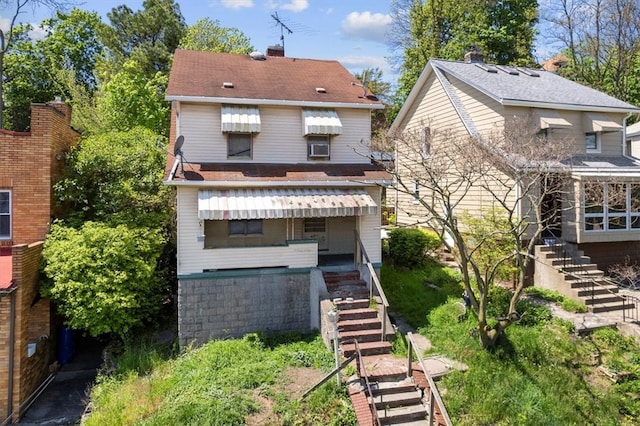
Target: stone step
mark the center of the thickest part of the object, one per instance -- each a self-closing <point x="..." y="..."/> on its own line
<point x="360" y="324"/>
<point x="400" y="415"/>
<point x="374" y="335"/>
<point x="359" y="313"/>
<point x="399" y="399"/>
<point x="367" y="348"/>
<point x="352" y="303"/>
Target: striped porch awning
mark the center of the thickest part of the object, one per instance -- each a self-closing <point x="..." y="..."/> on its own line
<point x="321" y="122"/>
<point x="281" y="203"/>
<point x="240" y="118"/>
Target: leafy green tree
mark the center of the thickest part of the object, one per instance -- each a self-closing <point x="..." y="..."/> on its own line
<point x="116" y="177"/>
<point x="372" y="78"/>
<point x="131" y="99"/>
<point x="209" y="36"/>
<point x="33" y="68"/>
<point x="148" y="36"/>
<point x="423" y="29"/>
<point x="103" y="279"/>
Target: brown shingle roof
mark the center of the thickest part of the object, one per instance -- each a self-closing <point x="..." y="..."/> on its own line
<point x="202" y="74"/>
<point x="261" y="172"/>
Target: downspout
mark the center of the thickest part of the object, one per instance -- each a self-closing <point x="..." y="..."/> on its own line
<point x="12" y="334"/>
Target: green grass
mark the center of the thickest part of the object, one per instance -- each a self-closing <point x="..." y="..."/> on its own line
<point x="540" y="374"/>
<point x="216" y="384"/>
<point x="567" y="304"/>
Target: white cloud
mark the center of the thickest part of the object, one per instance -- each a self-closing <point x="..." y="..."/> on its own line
<point x="366" y="26"/>
<point x="4" y="23"/>
<point x="355" y="63"/>
<point x="37" y="32"/>
<point x="236" y="4"/>
<point x="296" y="5"/>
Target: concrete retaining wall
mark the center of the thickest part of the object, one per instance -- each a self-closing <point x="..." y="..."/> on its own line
<point x="230" y="304"/>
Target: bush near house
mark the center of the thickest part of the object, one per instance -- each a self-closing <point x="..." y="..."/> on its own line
<point x="408" y="247"/>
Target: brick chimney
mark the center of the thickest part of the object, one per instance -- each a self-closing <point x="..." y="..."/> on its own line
<point x="276" y="50"/>
<point x="62" y="107"/>
<point x="474" y="56"/>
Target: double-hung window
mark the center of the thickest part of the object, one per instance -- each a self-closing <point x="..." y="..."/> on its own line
<point x="239" y="146"/>
<point x="592" y="142"/>
<point x="5" y="214"/>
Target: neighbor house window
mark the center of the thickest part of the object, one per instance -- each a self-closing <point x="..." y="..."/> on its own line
<point x="611" y="206"/>
<point x="592" y="142"/>
<point x="5" y="214"/>
<point x="426" y="142"/>
<point x="318" y="147"/>
<point x="416" y="192"/>
<point x="245" y="227"/>
<point x="239" y="145"/>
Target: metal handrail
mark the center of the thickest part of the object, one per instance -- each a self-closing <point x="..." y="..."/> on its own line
<point x="434" y="394"/>
<point x="629" y="303"/>
<point x="360" y="254"/>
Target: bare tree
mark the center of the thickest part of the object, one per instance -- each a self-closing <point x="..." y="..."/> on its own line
<point x="515" y="179"/>
<point x="15" y="9"/>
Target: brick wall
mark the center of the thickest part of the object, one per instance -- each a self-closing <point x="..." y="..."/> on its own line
<point x="30" y="163"/>
<point x="609" y="254"/>
<point x="231" y="306"/>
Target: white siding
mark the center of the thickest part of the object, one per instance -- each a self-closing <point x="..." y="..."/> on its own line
<point x="280" y="140"/>
<point x="369" y="229"/>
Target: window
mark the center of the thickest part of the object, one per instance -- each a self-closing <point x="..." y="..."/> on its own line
<point x="318" y="147"/>
<point x="592" y="142"/>
<point x="315" y="224"/>
<point x="416" y="192"/>
<point x="239" y="145"/>
<point x="612" y="206"/>
<point x="245" y="227"/>
<point x="5" y="214"/>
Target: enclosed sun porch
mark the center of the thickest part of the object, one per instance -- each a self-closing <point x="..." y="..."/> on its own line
<point x="251" y="228"/>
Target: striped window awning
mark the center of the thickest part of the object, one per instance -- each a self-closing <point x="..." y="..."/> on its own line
<point x="321" y="122"/>
<point x="550" y="119"/>
<point x="240" y="118"/>
<point x="280" y="203"/>
<point x="598" y="122"/>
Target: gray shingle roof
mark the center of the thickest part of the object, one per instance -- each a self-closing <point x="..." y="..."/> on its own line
<point x="546" y="88"/>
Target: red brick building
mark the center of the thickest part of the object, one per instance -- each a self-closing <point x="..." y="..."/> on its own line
<point x="30" y="164"/>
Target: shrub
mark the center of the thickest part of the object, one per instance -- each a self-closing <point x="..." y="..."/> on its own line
<point x="408" y="246"/>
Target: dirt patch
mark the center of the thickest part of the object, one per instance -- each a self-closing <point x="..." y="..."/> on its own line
<point x="293" y="383"/>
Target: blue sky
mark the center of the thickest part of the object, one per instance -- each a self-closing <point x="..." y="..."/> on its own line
<point x="350" y="31"/>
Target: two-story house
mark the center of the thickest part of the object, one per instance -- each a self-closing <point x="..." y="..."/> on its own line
<point x="30" y="164"/>
<point x="475" y="99"/>
<point x="271" y="163"/>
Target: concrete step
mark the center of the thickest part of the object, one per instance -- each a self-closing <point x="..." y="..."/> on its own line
<point x="609" y="307"/>
<point x="602" y="299"/>
<point x="582" y="275"/>
<point x="571" y="268"/>
<point x="367" y="348"/>
<point x="333" y="277"/>
<point x="399" y="415"/>
<point x="399" y="399"/>
<point x="350" y="293"/>
<point x="352" y="303"/>
<point x="362" y="336"/>
<point x="597" y="289"/>
<point x="382" y="388"/>
<point x="587" y="283"/>
<point x="359" y="313"/>
<point x="360" y="324"/>
<point x="346" y="283"/>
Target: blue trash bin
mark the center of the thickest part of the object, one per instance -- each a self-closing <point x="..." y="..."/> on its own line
<point x="65" y="345"/>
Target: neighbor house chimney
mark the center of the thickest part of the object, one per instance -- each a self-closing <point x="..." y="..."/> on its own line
<point x="473" y="56"/>
<point x="276" y="50"/>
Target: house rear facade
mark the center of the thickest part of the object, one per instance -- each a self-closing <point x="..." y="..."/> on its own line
<point x="476" y="99"/>
<point x="270" y="160"/>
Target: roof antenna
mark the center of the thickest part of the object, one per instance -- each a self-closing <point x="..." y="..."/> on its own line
<point x="283" y="27"/>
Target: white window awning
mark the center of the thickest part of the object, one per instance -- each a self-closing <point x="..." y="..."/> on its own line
<point x="550" y="119"/>
<point x="240" y="118"/>
<point x="321" y="122"/>
<point x="597" y="122"/>
<point x="280" y="203"/>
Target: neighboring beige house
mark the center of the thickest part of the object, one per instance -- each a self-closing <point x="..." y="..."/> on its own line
<point x="270" y="161"/>
<point x="475" y="99"/>
<point x="633" y="140"/>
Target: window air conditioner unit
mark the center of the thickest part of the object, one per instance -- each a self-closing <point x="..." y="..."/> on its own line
<point x="319" y="150"/>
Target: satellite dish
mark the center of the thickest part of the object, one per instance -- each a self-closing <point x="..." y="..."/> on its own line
<point x="177" y="149"/>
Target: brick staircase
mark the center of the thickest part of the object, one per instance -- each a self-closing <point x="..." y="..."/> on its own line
<point x="584" y="281"/>
<point x="397" y="398"/>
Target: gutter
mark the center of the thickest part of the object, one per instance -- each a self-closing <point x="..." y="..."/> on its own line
<point x="247" y="101"/>
<point x="276" y="184"/>
<point x="12" y="334"/>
